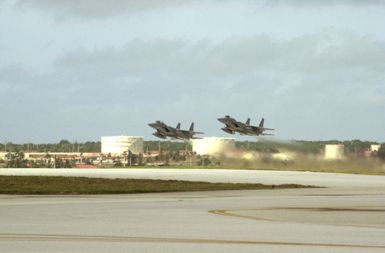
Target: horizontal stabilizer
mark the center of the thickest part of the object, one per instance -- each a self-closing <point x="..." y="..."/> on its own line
<point x="159" y="135"/>
<point x="227" y="130"/>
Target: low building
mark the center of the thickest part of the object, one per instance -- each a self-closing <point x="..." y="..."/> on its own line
<point x="3" y="155"/>
<point x="374" y="147"/>
<point x="334" y="152"/>
<point x="118" y="145"/>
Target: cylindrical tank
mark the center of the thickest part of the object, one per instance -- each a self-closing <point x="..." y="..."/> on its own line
<point x="334" y="152"/>
<point x="213" y="145"/>
<point x="117" y="145"/>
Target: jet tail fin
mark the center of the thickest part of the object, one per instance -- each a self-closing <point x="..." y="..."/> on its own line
<point x="178" y="126"/>
<point x="248" y="122"/>
<point x="192" y="129"/>
<point x="262" y="122"/>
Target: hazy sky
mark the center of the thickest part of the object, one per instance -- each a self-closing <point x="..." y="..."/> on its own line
<point x="81" y="69"/>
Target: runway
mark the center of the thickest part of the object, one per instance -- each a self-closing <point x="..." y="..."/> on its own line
<point x="340" y="218"/>
<point x="216" y="175"/>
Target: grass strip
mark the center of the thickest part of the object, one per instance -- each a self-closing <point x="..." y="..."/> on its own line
<point x="83" y="185"/>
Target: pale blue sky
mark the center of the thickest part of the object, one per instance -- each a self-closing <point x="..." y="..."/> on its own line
<point x="82" y="69"/>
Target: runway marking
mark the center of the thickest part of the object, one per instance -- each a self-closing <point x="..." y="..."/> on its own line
<point x="232" y="213"/>
<point x="128" y="239"/>
<point x="228" y="213"/>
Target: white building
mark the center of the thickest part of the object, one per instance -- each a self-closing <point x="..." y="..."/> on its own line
<point x="334" y="152"/>
<point x="3" y="155"/>
<point x="213" y="145"/>
<point x="375" y="147"/>
<point x="117" y="145"/>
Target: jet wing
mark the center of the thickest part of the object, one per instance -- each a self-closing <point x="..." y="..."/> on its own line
<point x="167" y="129"/>
<point x="238" y="124"/>
<point x="197" y="132"/>
<point x="255" y="128"/>
<point x="188" y="132"/>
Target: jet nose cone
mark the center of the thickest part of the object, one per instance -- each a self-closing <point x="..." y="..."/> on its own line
<point x="152" y="124"/>
<point x="221" y="120"/>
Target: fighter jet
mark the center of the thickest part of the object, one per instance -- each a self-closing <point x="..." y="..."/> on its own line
<point x="233" y="126"/>
<point x="163" y="131"/>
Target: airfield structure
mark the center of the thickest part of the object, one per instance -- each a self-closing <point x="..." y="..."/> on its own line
<point x="375" y="147"/>
<point x="334" y="152"/>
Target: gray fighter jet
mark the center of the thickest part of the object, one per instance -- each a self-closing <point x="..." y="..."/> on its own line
<point x="163" y="131"/>
<point x="233" y="126"/>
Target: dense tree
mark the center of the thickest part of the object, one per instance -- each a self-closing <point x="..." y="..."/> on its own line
<point x="381" y="151"/>
<point x="16" y="160"/>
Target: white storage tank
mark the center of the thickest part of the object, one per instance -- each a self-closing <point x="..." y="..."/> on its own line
<point x="213" y="145"/>
<point x="117" y="145"/>
<point x="334" y="152"/>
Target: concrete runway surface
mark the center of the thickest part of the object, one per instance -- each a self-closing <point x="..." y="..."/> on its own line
<point x="348" y="216"/>
<point x="216" y="175"/>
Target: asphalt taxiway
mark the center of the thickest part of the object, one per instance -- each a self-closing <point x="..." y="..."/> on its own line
<point x="347" y="216"/>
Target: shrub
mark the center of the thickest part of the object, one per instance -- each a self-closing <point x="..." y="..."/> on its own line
<point x="381" y="152"/>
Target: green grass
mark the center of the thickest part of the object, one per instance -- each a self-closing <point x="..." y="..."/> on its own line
<point x="82" y="185"/>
